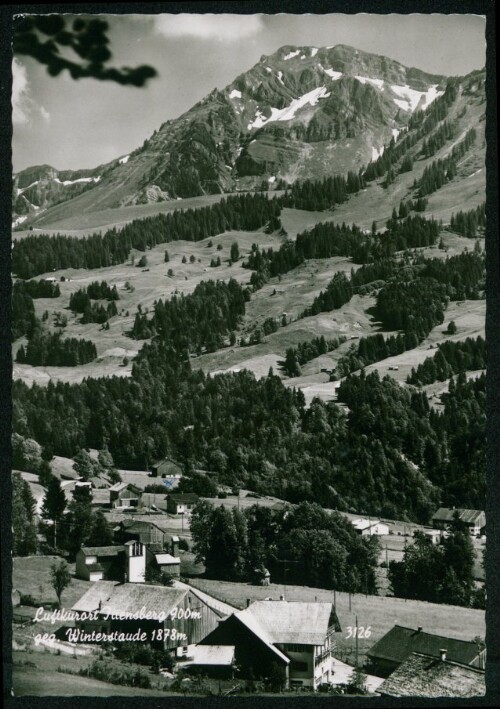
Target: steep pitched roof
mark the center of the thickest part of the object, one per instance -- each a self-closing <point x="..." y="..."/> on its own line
<point x="424" y="676"/>
<point x="293" y="621"/>
<point x="138" y="525"/>
<point x="164" y="558"/>
<point x="168" y="463"/>
<point x="446" y="514"/>
<point x="180" y="497"/>
<point x="118" y="487"/>
<point x="97" y="594"/>
<point x="219" y="607"/>
<point x="102" y="551"/>
<point x="254" y="626"/>
<point x="131" y="597"/>
<point x="400" y="642"/>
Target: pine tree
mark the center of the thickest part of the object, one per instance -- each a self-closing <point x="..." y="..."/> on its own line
<point x="54" y="503"/>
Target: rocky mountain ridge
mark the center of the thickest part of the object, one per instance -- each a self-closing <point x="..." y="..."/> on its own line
<point x="302" y="112"/>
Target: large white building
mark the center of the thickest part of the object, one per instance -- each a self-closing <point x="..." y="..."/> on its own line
<point x="370" y="527"/>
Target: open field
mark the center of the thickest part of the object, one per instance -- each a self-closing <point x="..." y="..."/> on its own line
<point x="56" y="221"/>
<point x="380" y="613"/>
<point x="47" y="681"/>
<point x="147" y="286"/>
<point x="352" y="320"/>
<point x="288" y="294"/>
<point x="31" y="577"/>
<point x="469" y="317"/>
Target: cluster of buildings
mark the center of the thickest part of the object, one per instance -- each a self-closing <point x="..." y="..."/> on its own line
<point x="204" y="634"/>
<point x="208" y="635"/>
<point x="297" y="638"/>
<point x="418" y="663"/>
<point x="472" y="520"/>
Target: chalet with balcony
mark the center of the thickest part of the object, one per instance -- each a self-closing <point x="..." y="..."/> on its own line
<point x="299" y="637"/>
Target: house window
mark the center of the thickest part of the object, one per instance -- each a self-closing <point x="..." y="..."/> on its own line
<point x="136" y="549"/>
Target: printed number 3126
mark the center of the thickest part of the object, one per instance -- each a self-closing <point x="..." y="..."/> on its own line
<point x="358" y="630"/>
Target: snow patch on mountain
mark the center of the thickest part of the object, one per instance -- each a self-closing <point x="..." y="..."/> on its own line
<point x="335" y="75"/>
<point x="280" y="76"/>
<point x="376" y="154"/>
<point x="302" y="56"/>
<point x="271" y="179"/>
<point x="286" y="114"/>
<point x="367" y="80"/>
<point x="395" y="133"/>
<point x="269" y="70"/>
<point x="291" y="55"/>
<point x="314" y="51"/>
<point x="74" y="182"/>
<point x="124" y="160"/>
<point x="235" y="94"/>
<point x="19" y="220"/>
<point x="410" y="99"/>
<point x="20" y="190"/>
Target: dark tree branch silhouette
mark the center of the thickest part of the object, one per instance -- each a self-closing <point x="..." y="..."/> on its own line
<point x="44" y="36"/>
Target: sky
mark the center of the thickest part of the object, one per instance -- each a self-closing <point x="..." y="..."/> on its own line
<point x="72" y="124"/>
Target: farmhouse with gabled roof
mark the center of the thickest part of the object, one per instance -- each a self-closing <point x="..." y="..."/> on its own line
<point x="474" y="520"/>
<point x="152" y="609"/>
<point x="396" y="645"/>
<point x="298" y="636"/>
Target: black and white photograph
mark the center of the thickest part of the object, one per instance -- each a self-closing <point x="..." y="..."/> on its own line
<point x="248" y="401"/>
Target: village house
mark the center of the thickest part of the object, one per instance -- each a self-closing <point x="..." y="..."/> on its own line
<point x="435" y="535"/>
<point x="143" y="531"/>
<point x="181" y="503"/>
<point x="165" y="563"/>
<point x="180" y="616"/>
<point x="299" y="637"/>
<point x="395" y="647"/>
<point x="127" y="562"/>
<point x="370" y="527"/>
<point x="473" y="520"/>
<point x="166" y="468"/>
<point x="124" y="495"/>
<point x="422" y="675"/>
<point x="99" y="563"/>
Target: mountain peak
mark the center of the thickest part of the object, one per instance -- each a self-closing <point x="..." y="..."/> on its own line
<point x="301" y="112"/>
